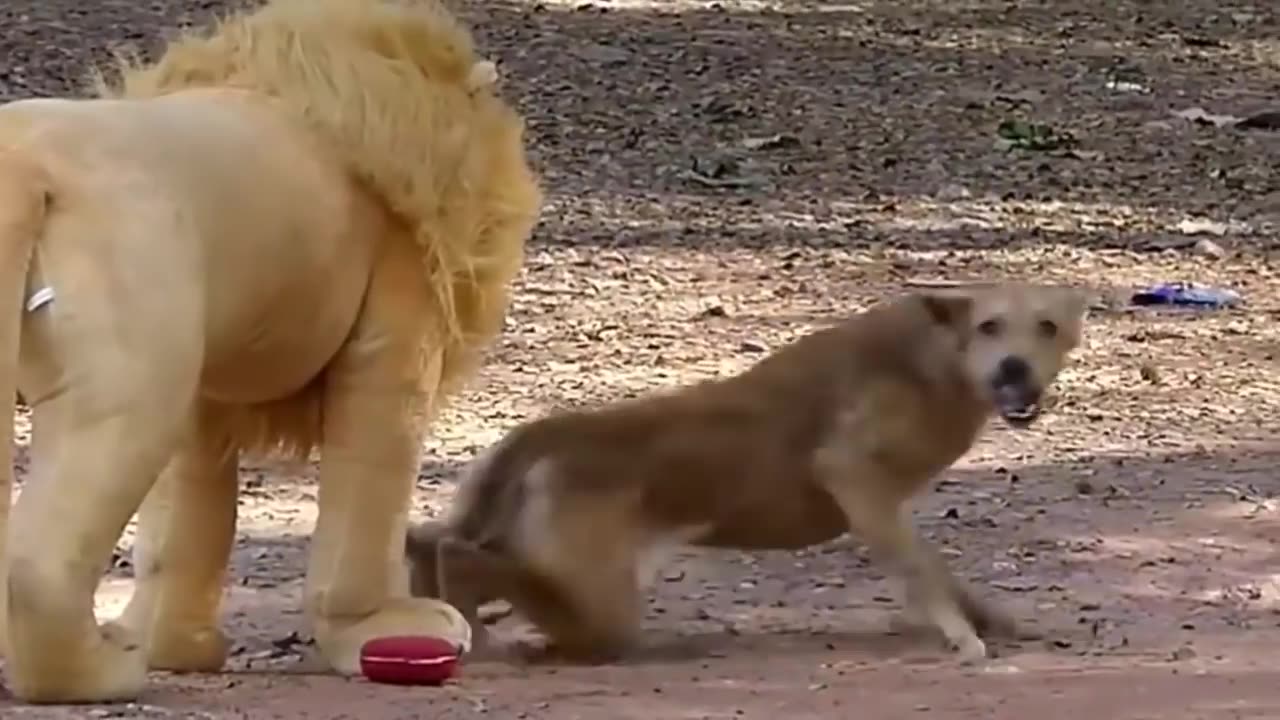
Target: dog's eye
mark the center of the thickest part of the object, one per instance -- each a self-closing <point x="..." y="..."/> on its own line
<point x="989" y="328"/>
<point x="1048" y="328"/>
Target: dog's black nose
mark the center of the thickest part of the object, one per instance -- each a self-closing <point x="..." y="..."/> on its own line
<point x="1012" y="371"/>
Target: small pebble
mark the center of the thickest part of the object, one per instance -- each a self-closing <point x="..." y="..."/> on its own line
<point x="1209" y="249"/>
<point x="1186" y="652"/>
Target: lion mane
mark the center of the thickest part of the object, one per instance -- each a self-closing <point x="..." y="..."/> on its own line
<point x="397" y="90"/>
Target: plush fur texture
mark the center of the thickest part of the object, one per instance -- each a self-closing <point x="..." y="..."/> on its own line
<point x="293" y="232"/>
<point x="396" y="89"/>
<point x="570" y="515"/>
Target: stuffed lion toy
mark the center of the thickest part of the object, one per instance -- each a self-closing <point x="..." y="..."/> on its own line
<point x="295" y="231"/>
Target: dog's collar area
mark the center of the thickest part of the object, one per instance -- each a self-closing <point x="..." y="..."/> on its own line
<point x="40" y="298"/>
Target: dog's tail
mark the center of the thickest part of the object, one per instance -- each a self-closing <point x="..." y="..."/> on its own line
<point x="24" y="199"/>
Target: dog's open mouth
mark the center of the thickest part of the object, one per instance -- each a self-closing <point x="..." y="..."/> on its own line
<point x="1020" y="416"/>
<point x="1018" y="406"/>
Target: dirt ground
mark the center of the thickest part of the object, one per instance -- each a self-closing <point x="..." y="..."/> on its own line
<point x="723" y="176"/>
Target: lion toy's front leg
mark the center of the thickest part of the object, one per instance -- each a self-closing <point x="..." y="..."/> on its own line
<point x="357" y="584"/>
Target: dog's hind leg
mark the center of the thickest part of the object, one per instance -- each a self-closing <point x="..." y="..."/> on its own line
<point x="592" y="618"/>
<point x="583" y="619"/>
<point x="581" y="586"/>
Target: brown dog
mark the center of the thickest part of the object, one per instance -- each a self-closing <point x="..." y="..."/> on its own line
<point x="567" y="515"/>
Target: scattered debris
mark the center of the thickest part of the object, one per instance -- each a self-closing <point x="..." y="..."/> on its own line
<point x="1186" y="295"/>
<point x="290" y="644"/>
<point x="1209" y="249"/>
<point x="1201" y="226"/>
<point x="1269" y="120"/>
<point x="1200" y="116"/>
<point x="1023" y="135"/>
<point x="1126" y="86"/>
<point x="604" y="56"/>
<point x="1266" y="120"/>
<point x="771" y="142"/>
<point x="1149" y="373"/>
<point x="1202" y="41"/>
<point x="1124" y="78"/>
<point x="1186" y="652"/>
<point x="714" y="311"/>
<point x="1015" y="584"/>
<point x="723" y="170"/>
<point x="953" y="191"/>
<point x="139" y="710"/>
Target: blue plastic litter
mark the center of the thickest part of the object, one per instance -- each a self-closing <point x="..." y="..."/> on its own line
<point x="1186" y="295"/>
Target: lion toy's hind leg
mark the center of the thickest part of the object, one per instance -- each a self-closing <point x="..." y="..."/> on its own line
<point x="186" y="529"/>
<point x="111" y="376"/>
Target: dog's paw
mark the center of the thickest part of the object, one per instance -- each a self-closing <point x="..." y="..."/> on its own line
<point x="990" y="620"/>
<point x="970" y="650"/>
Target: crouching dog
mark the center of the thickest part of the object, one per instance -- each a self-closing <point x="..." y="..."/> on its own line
<point x="567" y="517"/>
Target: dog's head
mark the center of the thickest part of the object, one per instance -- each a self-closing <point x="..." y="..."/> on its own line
<point x="1014" y="340"/>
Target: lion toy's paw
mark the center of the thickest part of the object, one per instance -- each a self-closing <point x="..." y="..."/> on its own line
<point x="340" y="639"/>
<point x="112" y="668"/>
<point x="176" y="648"/>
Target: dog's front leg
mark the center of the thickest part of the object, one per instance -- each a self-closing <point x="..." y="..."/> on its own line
<point x="986" y="619"/>
<point x="879" y="519"/>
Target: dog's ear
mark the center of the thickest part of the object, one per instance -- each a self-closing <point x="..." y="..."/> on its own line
<point x="951" y="309"/>
<point x="1077" y="302"/>
<point x="1074" y="307"/>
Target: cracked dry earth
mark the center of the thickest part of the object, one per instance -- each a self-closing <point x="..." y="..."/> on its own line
<point x="723" y="176"/>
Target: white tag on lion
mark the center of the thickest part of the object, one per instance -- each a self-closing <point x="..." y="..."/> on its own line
<point x="40" y="298"/>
